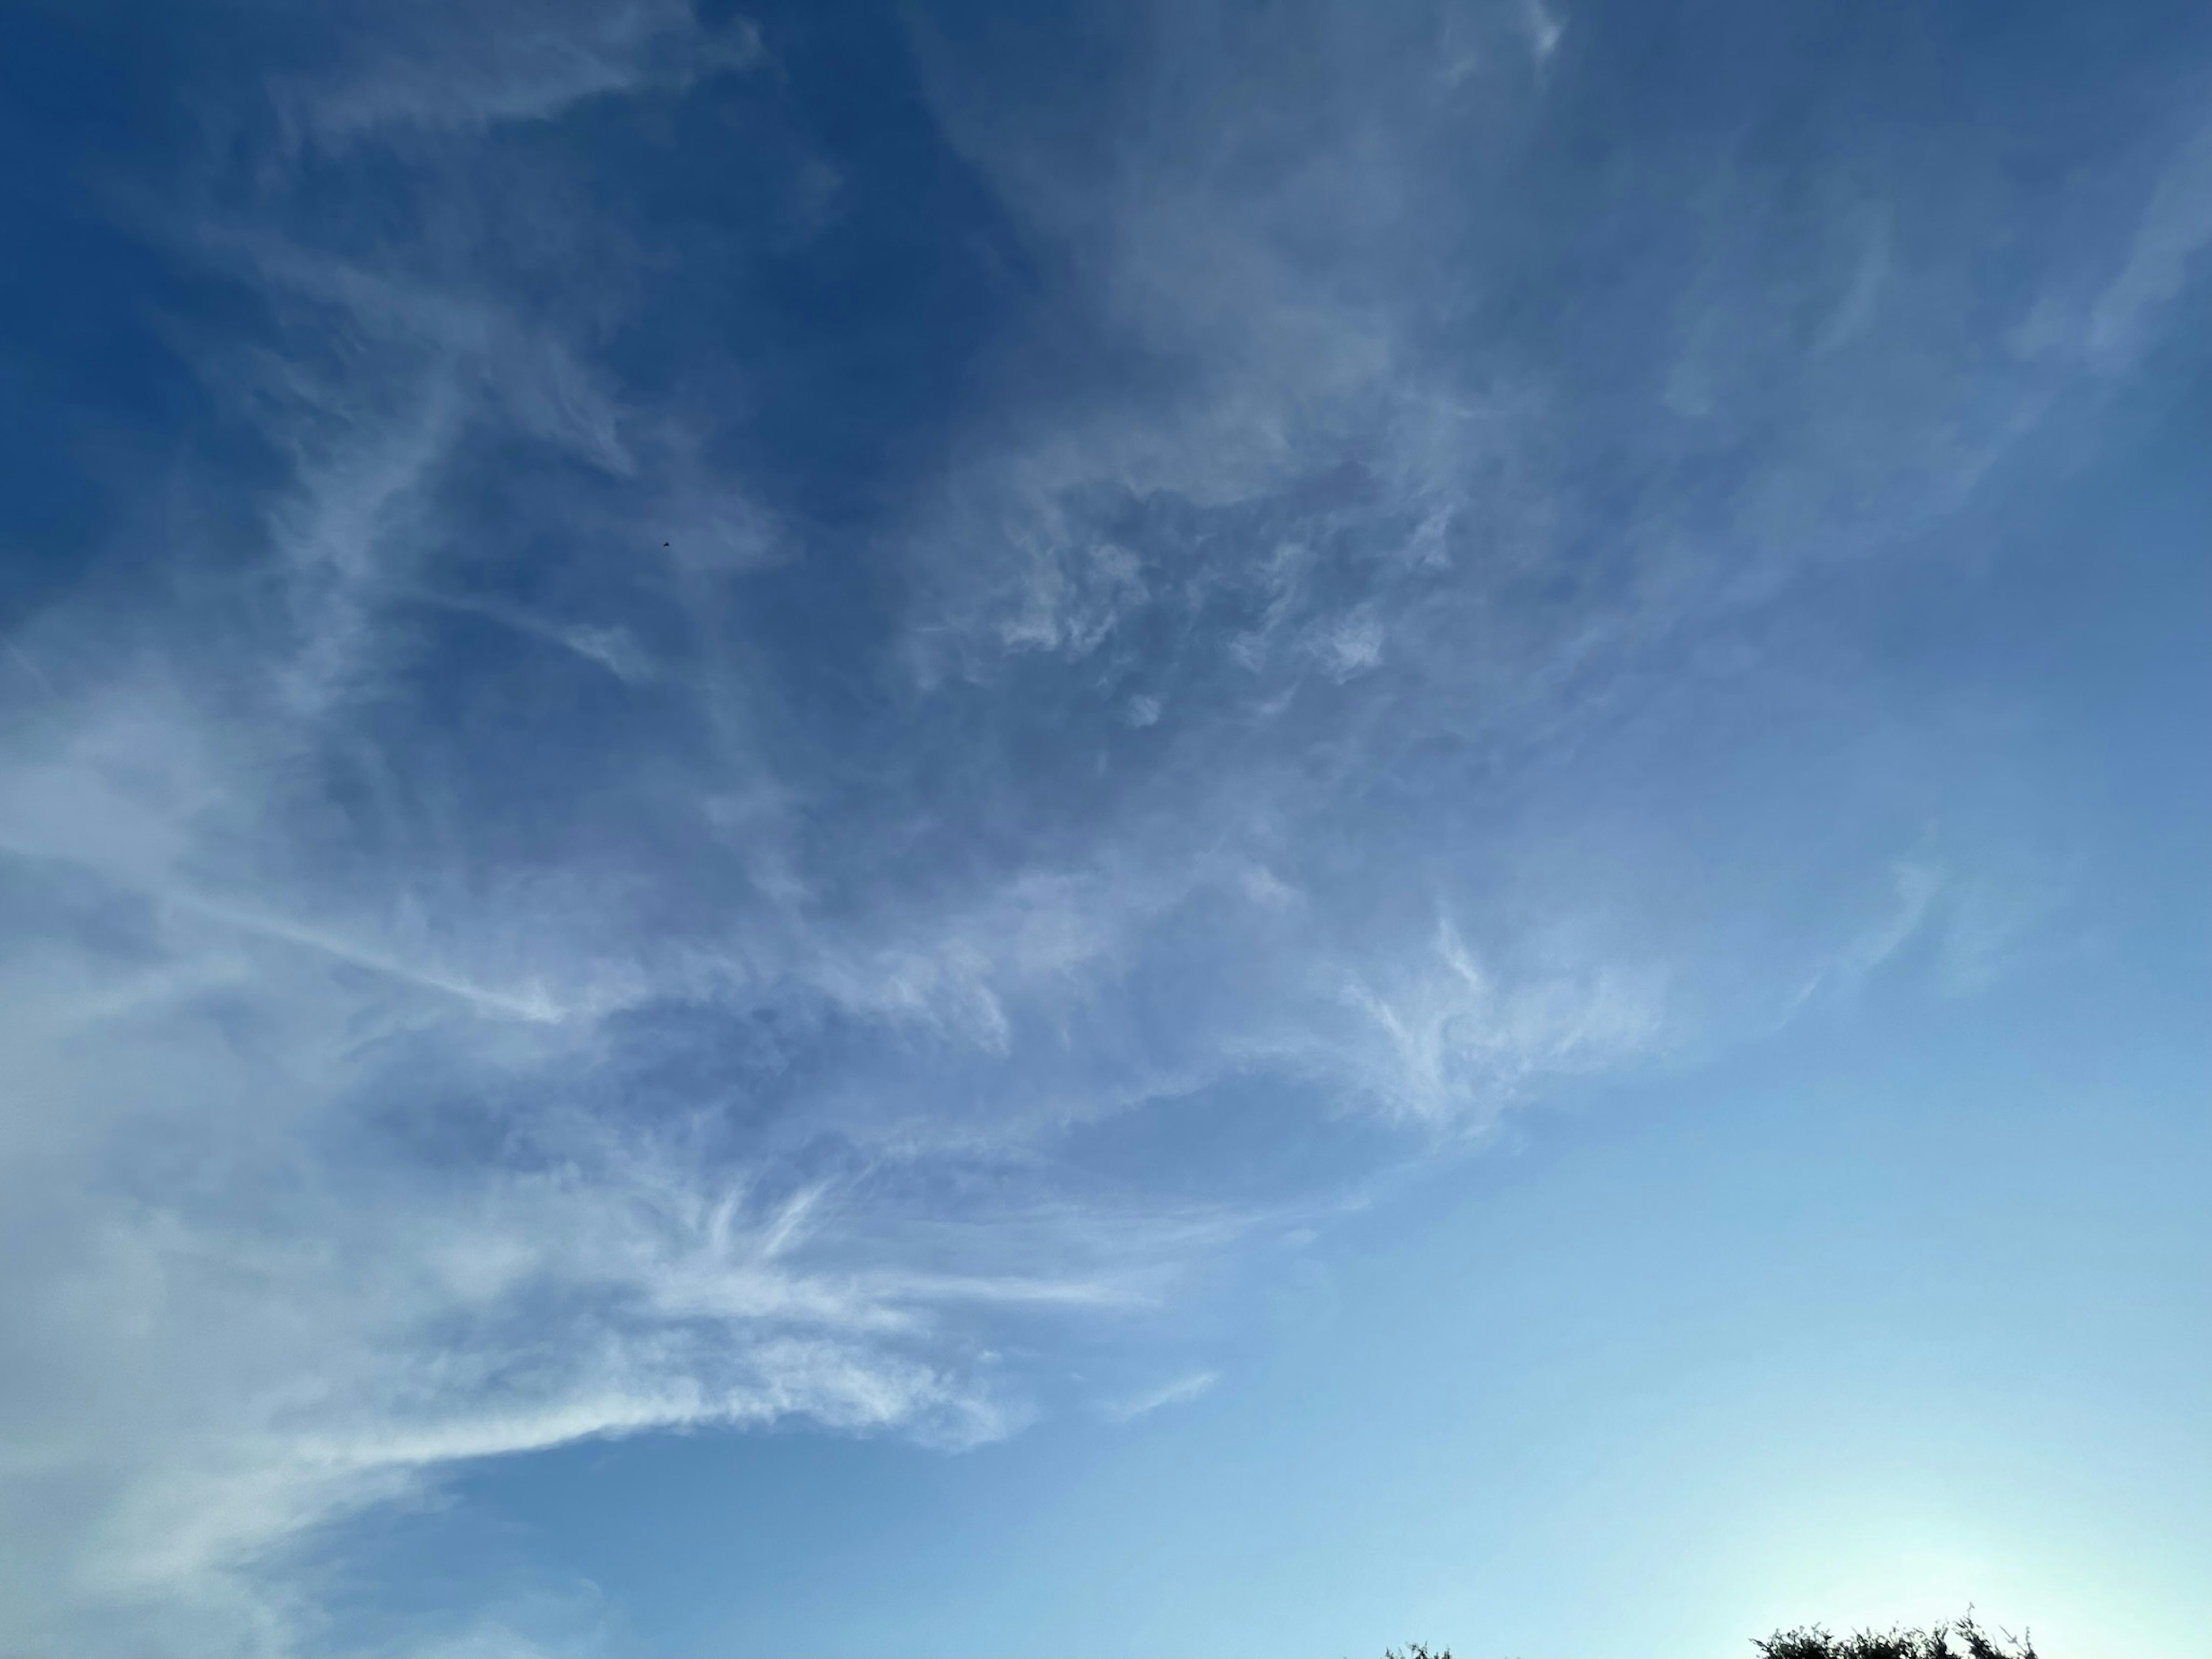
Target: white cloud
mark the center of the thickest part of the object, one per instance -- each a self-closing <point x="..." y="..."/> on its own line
<point x="1460" y="1045"/>
<point x="473" y="66"/>
<point x="1179" y="1392"/>
<point x="1545" y="27"/>
<point x="2175" y="227"/>
<point x="237" y="1335"/>
<point x="1352" y="645"/>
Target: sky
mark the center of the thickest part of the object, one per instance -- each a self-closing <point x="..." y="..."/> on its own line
<point x="1141" y="831"/>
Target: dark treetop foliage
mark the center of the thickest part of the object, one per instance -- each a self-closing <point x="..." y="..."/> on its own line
<point x="1964" y="1640"/>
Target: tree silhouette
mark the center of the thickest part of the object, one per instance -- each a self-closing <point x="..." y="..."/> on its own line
<point x="1964" y="1640"/>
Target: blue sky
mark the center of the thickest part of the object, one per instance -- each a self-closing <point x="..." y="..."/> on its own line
<point x="1198" y="830"/>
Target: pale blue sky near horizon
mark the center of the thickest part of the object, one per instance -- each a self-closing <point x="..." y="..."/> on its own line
<point x="1175" y="831"/>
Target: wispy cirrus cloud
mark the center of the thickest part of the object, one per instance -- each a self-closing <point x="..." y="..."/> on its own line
<point x="420" y="69"/>
<point x="1180" y="1392"/>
